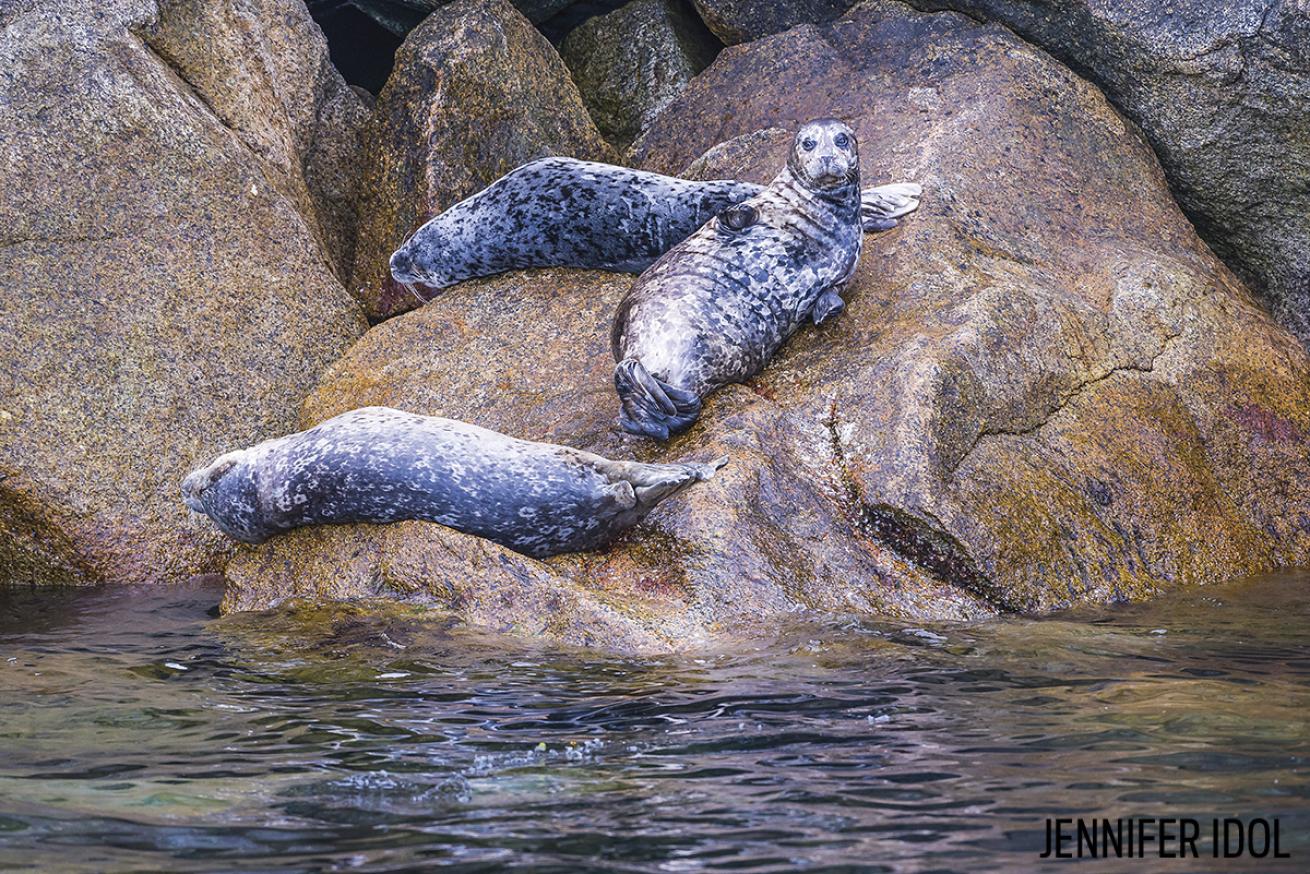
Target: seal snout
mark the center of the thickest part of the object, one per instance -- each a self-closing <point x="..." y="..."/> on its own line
<point x="401" y="265"/>
<point x="202" y="479"/>
<point x="413" y="275"/>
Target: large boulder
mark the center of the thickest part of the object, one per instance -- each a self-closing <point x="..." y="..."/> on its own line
<point x="476" y="92"/>
<point x="631" y="63"/>
<point x="262" y="67"/>
<point x="1221" y="89"/>
<point x="402" y="16"/>
<point x="737" y="21"/>
<point x="165" y="296"/>
<point x="481" y="582"/>
<point x="1044" y="390"/>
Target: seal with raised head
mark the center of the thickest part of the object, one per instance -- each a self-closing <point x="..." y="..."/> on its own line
<point x="562" y="212"/>
<point x="377" y="464"/>
<point x="716" y="307"/>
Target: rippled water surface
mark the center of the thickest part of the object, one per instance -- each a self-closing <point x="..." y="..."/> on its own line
<point x="139" y="733"/>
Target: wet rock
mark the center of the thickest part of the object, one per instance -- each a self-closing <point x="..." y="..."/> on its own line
<point x="166" y="292"/>
<point x="1221" y="88"/>
<point x="476" y="92"/>
<point x="630" y="63"/>
<point x="475" y="579"/>
<point x="737" y="21"/>
<point x="1044" y="389"/>
<point x="263" y="69"/>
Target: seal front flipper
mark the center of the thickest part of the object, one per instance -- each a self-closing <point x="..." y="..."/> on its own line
<point x="651" y="407"/>
<point x="828" y="305"/>
<point x="881" y="206"/>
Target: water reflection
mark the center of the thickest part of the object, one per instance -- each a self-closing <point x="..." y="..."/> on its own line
<point x="139" y="732"/>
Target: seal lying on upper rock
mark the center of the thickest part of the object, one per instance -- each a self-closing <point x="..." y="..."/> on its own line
<point x="715" y="308"/>
<point x="562" y="212"/>
<point x="377" y="464"/>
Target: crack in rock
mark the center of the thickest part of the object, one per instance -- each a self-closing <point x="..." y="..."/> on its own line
<point x="1065" y="399"/>
<point x="915" y="540"/>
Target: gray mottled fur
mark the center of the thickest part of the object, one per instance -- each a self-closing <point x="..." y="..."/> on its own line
<point x="564" y="212"/>
<point x="717" y="306"/>
<point x="377" y="464"/>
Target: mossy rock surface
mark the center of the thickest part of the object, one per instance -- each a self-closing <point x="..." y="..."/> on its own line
<point x="738" y="21"/>
<point x="167" y="293"/>
<point x="631" y="63"/>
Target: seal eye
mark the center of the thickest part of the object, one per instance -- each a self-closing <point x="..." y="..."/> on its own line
<point x="808" y="144"/>
<point x="842" y="141"/>
<point x="739" y="217"/>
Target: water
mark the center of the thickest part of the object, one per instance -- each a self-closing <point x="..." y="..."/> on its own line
<point x="138" y="732"/>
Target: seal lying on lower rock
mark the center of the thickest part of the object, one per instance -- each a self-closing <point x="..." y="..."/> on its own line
<point x="716" y="307"/>
<point x="377" y="464"/>
<point x="562" y="212"/>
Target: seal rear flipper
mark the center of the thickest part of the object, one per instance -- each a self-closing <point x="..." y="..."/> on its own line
<point x="652" y="483"/>
<point x="828" y="305"/>
<point x="881" y="206"/>
<point x="651" y="407"/>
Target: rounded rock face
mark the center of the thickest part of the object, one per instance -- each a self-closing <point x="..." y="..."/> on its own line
<point x="1044" y="389"/>
<point x="262" y="67"/>
<point x="631" y="63"/>
<point x="1221" y="88"/>
<point x="476" y="92"/>
<point x="401" y="16"/>
<point x="166" y="293"/>
<point x="738" y="21"/>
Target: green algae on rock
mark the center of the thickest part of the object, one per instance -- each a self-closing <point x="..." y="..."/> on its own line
<point x="480" y="582"/>
<point x="476" y="91"/>
<point x="164" y="296"/>
<point x="1045" y="390"/>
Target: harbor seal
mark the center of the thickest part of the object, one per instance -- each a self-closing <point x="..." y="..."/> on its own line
<point x="562" y="212"/>
<point x="715" y="308"/>
<point x="377" y="464"/>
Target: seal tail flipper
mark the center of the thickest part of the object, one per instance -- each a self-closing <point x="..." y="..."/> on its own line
<point x="649" y="406"/>
<point x="881" y="206"/>
<point x="655" y="482"/>
<point x="648" y="484"/>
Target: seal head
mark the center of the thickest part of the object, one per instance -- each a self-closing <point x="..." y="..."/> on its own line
<point x="825" y="156"/>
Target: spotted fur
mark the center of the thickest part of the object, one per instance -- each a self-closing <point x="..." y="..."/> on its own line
<point x="565" y="212"/>
<point x="377" y="464"/>
<point x="716" y="307"/>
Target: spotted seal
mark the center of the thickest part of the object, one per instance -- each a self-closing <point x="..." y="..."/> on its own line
<point x="562" y="212"/>
<point x="377" y="464"/>
<point x="715" y="308"/>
